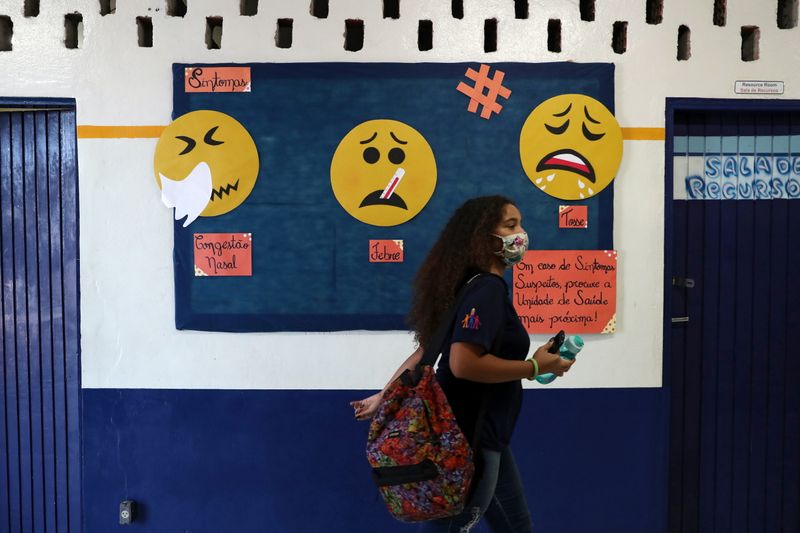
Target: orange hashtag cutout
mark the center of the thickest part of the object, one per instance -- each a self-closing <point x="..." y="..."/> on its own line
<point x="476" y="94"/>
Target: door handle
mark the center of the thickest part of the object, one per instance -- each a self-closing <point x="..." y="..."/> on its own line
<point x="680" y="319"/>
<point x="683" y="282"/>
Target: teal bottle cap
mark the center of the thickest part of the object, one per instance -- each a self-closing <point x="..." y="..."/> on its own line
<point x="573" y="343"/>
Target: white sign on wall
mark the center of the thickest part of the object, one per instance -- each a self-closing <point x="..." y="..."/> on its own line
<point x="758" y="87"/>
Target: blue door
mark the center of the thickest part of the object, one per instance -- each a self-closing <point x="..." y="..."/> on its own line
<point x="40" y="459"/>
<point x="732" y="308"/>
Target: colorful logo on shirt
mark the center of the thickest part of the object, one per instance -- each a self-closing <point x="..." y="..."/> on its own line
<point x="471" y="320"/>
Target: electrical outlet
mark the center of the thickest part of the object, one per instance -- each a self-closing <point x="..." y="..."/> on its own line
<point x="126" y="512"/>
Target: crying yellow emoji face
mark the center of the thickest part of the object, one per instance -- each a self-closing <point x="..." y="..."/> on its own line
<point x="383" y="172"/>
<point x="206" y="164"/>
<point x="571" y="146"/>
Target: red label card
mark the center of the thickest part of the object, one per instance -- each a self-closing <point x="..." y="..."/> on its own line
<point x="573" y="216"/>
<point x="216" y="79"/>
<point x="385" y="251"/>
<point x="573" y="290"/>
<point x="223" y="254"/>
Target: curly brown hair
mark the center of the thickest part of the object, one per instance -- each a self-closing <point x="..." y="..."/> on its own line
<point x="464" y="248"/>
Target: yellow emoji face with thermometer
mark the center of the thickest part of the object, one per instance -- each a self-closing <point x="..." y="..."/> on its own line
<point x="571" y="146"/>
<point x="206" y="164"/>
<point x="383" y="172"/>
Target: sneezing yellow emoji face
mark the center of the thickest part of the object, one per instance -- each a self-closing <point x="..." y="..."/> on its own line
<point x="571" y="146"/>
<point x="206" y="164"/>
<point x="383" y="172"/>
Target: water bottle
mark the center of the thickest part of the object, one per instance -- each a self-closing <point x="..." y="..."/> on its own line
<point x="572" y="345"/>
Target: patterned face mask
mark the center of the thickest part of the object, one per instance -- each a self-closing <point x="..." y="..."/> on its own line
<point x="514" y="247"/>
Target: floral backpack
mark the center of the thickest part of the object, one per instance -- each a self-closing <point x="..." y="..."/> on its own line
<point x="421" y="461"/>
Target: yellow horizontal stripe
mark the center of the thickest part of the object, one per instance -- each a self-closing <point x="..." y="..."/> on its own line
<point x="120" y="132"/>
<point x="153" y="132"/>
<point x="643" y="134"/>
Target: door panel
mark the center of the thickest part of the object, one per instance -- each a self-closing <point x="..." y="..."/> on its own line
<point x="40" y="468"/>
<point x="733" y="369"/>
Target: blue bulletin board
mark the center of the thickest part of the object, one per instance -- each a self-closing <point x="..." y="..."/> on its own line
<point x="310" y="265"/>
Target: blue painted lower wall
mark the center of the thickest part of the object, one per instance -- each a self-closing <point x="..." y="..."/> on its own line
<point x="593" y="461"/>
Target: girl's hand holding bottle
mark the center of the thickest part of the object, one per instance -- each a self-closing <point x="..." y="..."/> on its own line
<point x="551" y="363"/>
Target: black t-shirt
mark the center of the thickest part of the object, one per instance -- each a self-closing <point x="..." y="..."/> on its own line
<point x="484" y="313"/>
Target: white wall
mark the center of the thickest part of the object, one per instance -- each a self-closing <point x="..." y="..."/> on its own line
<point x="128" y="334"/>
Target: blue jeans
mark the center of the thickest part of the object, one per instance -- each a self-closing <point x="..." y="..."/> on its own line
<point x="499" y="497"/>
